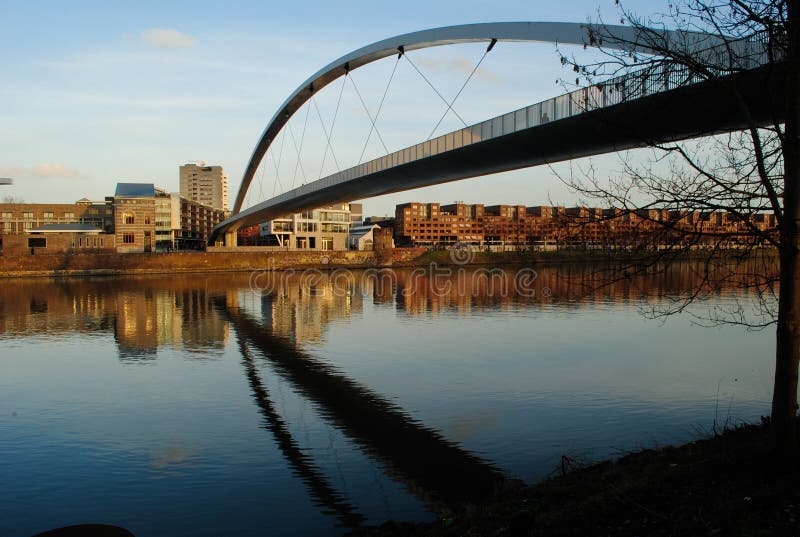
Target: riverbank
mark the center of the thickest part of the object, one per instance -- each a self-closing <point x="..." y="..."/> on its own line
<point x="249" y="259"/>
<point x="726" y="485"/>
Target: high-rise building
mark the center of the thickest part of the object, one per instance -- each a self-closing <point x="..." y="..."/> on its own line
<point x="206" y="185"/>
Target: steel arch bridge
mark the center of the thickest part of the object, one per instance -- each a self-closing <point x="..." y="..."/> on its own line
<point x="589" y="121"/>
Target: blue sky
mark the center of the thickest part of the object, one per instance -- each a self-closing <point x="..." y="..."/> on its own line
<point x="98" y="92"/>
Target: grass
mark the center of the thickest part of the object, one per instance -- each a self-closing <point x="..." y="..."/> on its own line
<point x="727" y="485"/>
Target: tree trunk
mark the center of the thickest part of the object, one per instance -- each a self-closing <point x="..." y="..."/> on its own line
<point x="787" y="355"/>
<point x="784" y="397"/>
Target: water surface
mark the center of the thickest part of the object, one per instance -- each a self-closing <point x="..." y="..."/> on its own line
<point x="306" y="404"/>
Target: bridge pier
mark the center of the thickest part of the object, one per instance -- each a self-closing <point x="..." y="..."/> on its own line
<point x="231" y="239"/>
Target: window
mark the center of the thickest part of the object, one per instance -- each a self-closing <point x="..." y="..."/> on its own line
<point x="128" y="218"/>
<point x="37" y="242"/>
<point x="48" y="214"/>
<point x="335" y="228"/>
<point x="128" y="238"/>
<point x="69" y="216"/>
<point x="6" y="216"/>
<point x="327" y="243"/>
<point x="27" y="215"/>
<point x="147" y="219"/>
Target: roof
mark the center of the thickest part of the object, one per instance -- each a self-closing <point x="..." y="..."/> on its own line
<point x="135" y="190"/>
<point x="65" y="228"/>
<point x="360" y="231"/>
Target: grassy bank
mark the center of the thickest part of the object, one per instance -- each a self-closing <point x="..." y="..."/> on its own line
<point x="725" y="485"/>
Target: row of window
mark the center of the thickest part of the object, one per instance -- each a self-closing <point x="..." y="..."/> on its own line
<point x="28" y="215"/>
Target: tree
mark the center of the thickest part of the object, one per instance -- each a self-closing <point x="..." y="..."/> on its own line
<point x="751" y="177"/>
<point x="12" y="199"/>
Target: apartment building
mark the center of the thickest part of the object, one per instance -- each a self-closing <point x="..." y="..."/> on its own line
<point x="518" y="226"/>
<point x="325" y="228"/>
<point x="205" y="185"/>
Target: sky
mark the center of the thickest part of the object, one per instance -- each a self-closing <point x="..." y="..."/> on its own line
<point x="93" y="93"/>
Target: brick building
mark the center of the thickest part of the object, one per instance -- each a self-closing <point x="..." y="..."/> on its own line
<point x="135" y="217"/>
<point x="59" y="238"/>
<point x="542" y="227"/>
<point x="147" y="217"/>
<point x="17" y="220"/>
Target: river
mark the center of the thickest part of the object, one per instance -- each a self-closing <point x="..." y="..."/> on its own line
<point x="310" y="403"/>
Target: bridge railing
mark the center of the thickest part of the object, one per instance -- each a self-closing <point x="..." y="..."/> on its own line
<point x="660" y="77"/>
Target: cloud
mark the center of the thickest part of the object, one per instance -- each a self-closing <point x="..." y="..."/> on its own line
<point x="47" y="171"/>
<point x="160" y="38"/>
<point x="458" y="65"/>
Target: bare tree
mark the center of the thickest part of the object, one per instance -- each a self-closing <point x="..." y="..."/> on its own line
<point x="12" y="199"/>
<point x="751" y="177"/>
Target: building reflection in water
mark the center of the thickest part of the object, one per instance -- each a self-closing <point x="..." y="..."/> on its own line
<point x="146" y="313"/>
<point x="143" y="314"/>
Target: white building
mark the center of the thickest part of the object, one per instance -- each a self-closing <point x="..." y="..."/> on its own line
<point x="325" y="228"/>
<point x="206" y="185"/>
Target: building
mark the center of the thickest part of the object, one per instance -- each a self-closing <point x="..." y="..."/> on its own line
<point x="362" y="237"/>
<point x="512" y="227"/>
<point x="135" y="217"/>
<point x="59" y="238"/>
<point x="356" y="214"/>
<point x="382" y="221"/>
<point x="325" y="228"/>
<point x="18" y="219"/>
<point x="148" y="218"/>
<point x="205" y="185"/>
<point x="196" y="222"/>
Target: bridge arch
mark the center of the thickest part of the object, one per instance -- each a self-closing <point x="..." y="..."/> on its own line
<point x="567" y="33"/>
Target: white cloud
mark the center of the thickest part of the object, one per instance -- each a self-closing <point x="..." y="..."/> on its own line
<point x="460" y="65"/>
<point x="160" y="38"/>
<point x="54" y="170"/>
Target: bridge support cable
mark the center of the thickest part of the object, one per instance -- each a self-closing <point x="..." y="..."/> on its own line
<point x="425" y="78"/>
<point x="464" y="85"/>
<point x="329" y="135"/>
<point x="278" y="166"/>
<point x="261" y="180"/>
<point x="374" y="127"/>
<point x="299" y="149"/>
<point x="369" y="115"/>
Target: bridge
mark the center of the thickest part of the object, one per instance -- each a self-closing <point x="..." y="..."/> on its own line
<point x="634" y="110"/>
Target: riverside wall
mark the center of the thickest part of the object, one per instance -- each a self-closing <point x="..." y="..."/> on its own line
<point x="89" y="264"/>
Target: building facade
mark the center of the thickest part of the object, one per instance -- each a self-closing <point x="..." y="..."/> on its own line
<point x="19" y="219"/>
<point x="511" y="227"/>
<point x="325" y="228"/>
<point x="148" y="218"/>
<point x="59" y="238"/>
<point x="204" y="185"/>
